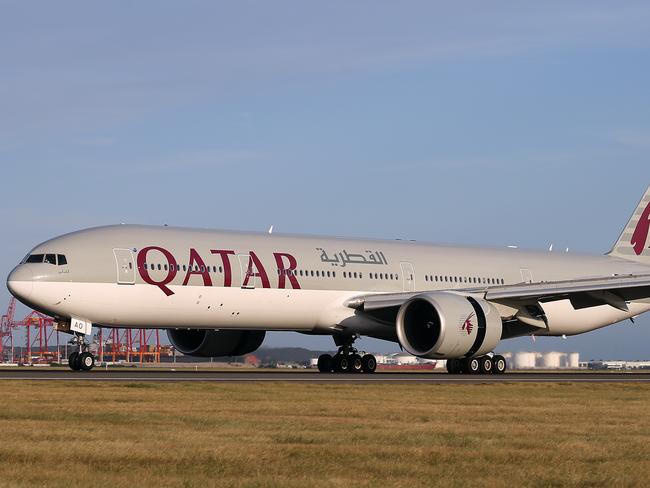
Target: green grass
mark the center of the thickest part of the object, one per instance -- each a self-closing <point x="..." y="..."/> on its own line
<point x="297" y="435"/>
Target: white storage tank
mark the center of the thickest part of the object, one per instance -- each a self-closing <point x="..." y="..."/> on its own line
<point x="551" y="359"/>
<point x="574" y="360"/>
<point x="524" y="360"/>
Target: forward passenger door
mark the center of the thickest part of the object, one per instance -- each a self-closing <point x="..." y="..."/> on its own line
<point x="125" y="266"/>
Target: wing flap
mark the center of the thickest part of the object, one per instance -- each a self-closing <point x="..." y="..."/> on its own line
<point x="638" y="285"/>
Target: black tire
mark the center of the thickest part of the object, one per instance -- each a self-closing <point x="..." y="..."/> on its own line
<point x="356" y="365"/>
<point x="472" y="366"/>
<point x="485" y="364"/>
<point x="499" y="364"/>
<point x="368" y="363"/>
<point x="72" y="361"/>
<point x="325" y="363"/>
<point x="454" y="366"/>
<point x="86" y="361"/>
<point x="341" y="363"/>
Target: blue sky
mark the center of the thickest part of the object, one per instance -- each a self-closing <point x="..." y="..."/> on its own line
<point x="521" y="123"/>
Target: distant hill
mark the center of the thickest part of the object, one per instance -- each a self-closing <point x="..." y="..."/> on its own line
<point x="287" y="354"/>
<point x="266" y="355"/>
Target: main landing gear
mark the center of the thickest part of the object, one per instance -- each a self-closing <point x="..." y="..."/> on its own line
<point x="347" y="360"/>
<point x="482" y="365"/>
<point x="83" y="359"/>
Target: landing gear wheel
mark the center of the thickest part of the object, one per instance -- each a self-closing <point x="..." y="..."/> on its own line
<point x="472" y="365"/>
<point x="485" y="364"/>
<point x="454" y="366"/>
<point x="499" y="364"/>
<point x="341" y="363"/>
<point x="368" y="363"/>
<point x="325" y="363"/>
<point x="73" y="361"/>
<point x="86" y="361"/>
<point x="356" y="366"/>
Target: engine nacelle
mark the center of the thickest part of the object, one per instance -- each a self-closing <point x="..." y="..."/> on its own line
<point x="213" y="343"/>
<point x="440" y="325"/>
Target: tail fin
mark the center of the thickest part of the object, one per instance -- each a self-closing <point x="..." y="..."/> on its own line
<point x="634" y="242"/>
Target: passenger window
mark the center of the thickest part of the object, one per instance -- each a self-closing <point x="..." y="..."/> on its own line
<point x="345" y="274"/>
<point x="391" y="276"/>
<point x="159" y="268"/>
<point x="62" y="260"/>
<point x="333" y="274"/>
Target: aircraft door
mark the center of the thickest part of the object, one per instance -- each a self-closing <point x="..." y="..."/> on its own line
<point x="125" y="266"/>
<point x="248" y="271"/>
<point x="526" y="276"/>
<point x="408" y="276"/>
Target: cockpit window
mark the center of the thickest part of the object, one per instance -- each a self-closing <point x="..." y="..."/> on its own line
<point x="35" y="258"/>
<point x="46" y="258"/>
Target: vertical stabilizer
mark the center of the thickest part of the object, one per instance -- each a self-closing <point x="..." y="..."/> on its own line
<point x="634" y="242"/>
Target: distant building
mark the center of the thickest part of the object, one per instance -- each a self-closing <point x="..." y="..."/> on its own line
<point x="618" y="365"/>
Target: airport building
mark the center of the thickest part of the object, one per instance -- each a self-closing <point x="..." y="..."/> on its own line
<point x="617" y="365"/>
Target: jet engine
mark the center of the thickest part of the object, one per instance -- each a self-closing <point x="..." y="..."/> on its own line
<point x="440" y="325"/>
<point x="213" y="343"/>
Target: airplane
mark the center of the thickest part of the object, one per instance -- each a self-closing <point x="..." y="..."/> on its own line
<point x="217" y="293"/>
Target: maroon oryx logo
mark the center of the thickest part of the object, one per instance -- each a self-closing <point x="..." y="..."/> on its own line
<point x="468" y="325"/>
<point x="640" y="235"/>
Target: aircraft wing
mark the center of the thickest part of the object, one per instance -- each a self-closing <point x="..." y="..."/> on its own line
<point x="626" y="287"/>
<point x="514" y="299"/>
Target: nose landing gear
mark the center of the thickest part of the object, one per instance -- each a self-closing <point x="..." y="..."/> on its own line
<point x="82" y="360"/>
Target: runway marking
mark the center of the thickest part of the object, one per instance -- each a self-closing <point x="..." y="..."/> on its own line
<point x="319" y="379"/>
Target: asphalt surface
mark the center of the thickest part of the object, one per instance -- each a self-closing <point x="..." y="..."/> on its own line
<point x="255" y="376"/>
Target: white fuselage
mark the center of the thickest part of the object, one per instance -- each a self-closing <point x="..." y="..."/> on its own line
<point x="162" y="277"/>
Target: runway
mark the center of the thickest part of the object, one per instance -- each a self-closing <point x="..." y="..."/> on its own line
<point x="254" y="376"/>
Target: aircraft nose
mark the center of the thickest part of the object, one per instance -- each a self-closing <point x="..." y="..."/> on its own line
<point x="20" y="283"/>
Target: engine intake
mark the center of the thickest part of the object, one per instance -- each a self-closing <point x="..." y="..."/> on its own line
<point x="214" y="343"/>
<point x="441" y="325"/>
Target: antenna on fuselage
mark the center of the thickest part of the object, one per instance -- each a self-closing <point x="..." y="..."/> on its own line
<point x="271" y="230"/>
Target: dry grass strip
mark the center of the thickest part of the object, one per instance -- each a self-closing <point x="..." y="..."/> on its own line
<point x="63" y="434"/>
